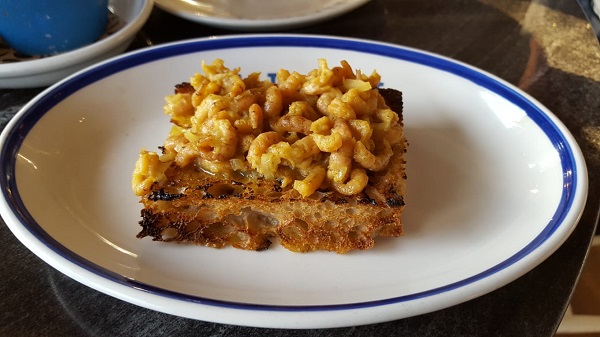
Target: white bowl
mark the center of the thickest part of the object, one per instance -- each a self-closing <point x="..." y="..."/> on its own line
<point x="46" y="71"/>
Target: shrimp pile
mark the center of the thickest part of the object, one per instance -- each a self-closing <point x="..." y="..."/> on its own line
<point x="328" y="129"/>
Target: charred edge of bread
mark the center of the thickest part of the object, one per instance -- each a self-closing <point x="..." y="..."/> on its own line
<point x="197" y="208"/>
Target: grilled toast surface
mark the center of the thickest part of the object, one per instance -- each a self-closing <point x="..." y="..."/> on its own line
<point x="195" y="206"/>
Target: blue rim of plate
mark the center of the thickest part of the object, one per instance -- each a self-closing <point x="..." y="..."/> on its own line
<point x="27" y="120"/>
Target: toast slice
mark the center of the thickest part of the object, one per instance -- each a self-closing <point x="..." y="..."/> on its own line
<point x="195" y="206"/>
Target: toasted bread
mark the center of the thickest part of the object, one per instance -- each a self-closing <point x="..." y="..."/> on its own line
<point x="198" y="208"/>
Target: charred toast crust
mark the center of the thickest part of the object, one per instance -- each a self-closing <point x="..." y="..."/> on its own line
<point x="197" y="208"/>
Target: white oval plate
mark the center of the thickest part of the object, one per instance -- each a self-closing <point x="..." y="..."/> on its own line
<point x="495" y="185"/>
<point x="259" y="14"/>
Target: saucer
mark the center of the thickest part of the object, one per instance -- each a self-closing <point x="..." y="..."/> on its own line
<point x="21" y="71"/>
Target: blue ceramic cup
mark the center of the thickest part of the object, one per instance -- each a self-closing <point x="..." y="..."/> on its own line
<point x="46" y="27"/>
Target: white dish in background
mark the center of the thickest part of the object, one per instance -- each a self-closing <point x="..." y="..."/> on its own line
<point x="45" y="71"/>
<point x="495" y="185"/>
<point x="261" y="15"/>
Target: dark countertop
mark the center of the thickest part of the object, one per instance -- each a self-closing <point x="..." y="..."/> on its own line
<point x="545" y="47"/>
